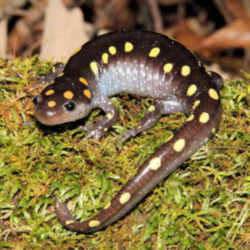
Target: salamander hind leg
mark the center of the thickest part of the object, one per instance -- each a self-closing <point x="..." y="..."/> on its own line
<point x="216" y="78"/>
<point x="154" y="113"/>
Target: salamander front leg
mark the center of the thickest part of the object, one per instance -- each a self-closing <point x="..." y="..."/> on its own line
<point x="48" y="78"/>
<point x="98" y="129"/>
<point x="56" y="71"/>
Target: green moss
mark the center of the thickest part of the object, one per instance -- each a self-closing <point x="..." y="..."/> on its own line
<point x="202" y="205"/>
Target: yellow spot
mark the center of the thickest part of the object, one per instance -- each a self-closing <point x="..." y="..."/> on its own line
<point x="112" y="50"/>
<point x="68" y="94"/>
<point x="204" y="117"/>
<point x="128" y="47"/>
<point x="209" y="73"/>
<point x="94" y="223"/>
<point x="60" y="75"/>
<point x="105" y="58"/>
<point x="50" y="92"/>
<point x="185" y="70"/>
<point x="87" y="93"/>
<point x="191" y="90"/>
<point x="169" y="138"/>
<point x="151" y="108"/>
<point x="196" y="104"/>
<point x="179" y="145"/>
<point x="154" y="52"/>
<point x="108" y="205"/>
<point x="125" y="197"/>
<point x="213" y="130"/>
<point x="84" y="81"/>
<point x="51" y="104"/>
<point x="94" y="67"/>
<point x="190" y="118"/>
<point x="155" y="163"/>
<point x="109" y="115"/>
<point x="54" y="69"/>
<point x="167" y="67"/>
<point x="76" y="50"/>
<point x="213" y="94"/>
<point x="67" y="222"/>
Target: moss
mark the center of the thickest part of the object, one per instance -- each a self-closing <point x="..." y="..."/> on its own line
<point x="202" y="205"/>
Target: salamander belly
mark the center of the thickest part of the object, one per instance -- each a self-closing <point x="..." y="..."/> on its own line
<point x="134" y="77"/>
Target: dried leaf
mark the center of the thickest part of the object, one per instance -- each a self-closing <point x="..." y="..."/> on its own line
<point x="3" y="38"/>
<point x="106" y="14"/>
<point x="236" y="34"/>
<point x="187" y="32"/>
<point x="64" y="31"/>
<point x="238" y="9"/>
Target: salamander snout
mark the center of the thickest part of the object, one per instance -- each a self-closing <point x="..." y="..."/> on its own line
<point x="44" y="112"/>
<point x="56" y="109"/>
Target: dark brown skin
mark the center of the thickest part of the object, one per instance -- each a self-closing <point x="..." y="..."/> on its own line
<point x="141" y="63"/>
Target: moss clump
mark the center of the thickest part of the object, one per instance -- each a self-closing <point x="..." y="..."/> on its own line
<point x="202" y="205"/>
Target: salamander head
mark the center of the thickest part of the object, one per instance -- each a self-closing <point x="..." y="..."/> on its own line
<point x="63" y="101"/>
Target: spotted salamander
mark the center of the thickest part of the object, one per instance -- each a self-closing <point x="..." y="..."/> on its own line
<point x="140" y="63"/>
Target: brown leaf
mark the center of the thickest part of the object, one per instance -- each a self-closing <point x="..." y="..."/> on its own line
<point x="106" y="14"/>
<point x="20" y="37"/>
<point x="171" y="2"/>
<point x="238" y="9"/>
<point x="187" y="32"/>
<point x="236" y="34"/>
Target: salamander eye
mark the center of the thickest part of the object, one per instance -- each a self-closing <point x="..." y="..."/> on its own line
<point x="37" y="99"/>
<point x="70" y="106"/>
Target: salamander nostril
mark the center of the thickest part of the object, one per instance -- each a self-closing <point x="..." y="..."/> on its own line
<point x="37" y="99"/>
